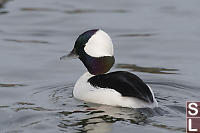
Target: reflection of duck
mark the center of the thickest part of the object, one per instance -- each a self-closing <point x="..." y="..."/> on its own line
<point x="101" y="118"/>
<point x="95" y="49"/>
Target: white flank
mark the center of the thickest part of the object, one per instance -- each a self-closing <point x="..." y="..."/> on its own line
<point x="85" y="91"/>
<point x="100" y="44"/>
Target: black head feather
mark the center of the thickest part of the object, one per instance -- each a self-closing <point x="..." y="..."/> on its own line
<point x="95" y="65"/>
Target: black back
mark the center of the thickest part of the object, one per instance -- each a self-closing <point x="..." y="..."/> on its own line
<point x="125" y="83"/>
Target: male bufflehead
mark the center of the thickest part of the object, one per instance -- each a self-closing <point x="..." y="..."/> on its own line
<point x="95" y="49"/>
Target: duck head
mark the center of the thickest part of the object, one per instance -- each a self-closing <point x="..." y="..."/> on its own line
<point x="95" y="49"/>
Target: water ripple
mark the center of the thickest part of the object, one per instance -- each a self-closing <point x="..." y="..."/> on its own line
<point x="74" y="11"/>
<point x="173" y="84"/>
<point x="3" y="2"/>
<point x="27" y="41"/>
<point x="138" y="35"/>
<point x="154" y="70"/>
<point x="11" y="85"/>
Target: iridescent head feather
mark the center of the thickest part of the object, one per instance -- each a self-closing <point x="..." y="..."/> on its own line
<point x="95" y="49"/>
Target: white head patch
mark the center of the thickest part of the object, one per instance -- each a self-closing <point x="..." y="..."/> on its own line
<point x="100" y="44"/>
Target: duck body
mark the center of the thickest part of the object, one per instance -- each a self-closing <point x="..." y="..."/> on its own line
<point x="121" y="88"/>
<point x="118" y="88"/>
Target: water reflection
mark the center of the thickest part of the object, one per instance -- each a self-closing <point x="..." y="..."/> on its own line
<point x="138" y="35"/>
<point x="27" y="41"/>
<point x="100" y="118"/>
<point x="4" y="106"/>
<point x="78" y="11"/>
<point x="173" y="84"/>
<point x="31" y="108"/>
<point x="2" y="2"/>
<point x="38" y="9"/>
<point x="24" y="103"/>
<point x="154" y="70"/>
<point x="25" y="106"/>
<point x="31" y="124"/>
<point x="169" y="128"/>
<point x="2" y="10"/>
<point x="74" y="11"/>
<point x="11" y="85"/>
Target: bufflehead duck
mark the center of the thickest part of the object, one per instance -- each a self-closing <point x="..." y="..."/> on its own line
<point x="121" y="88"/>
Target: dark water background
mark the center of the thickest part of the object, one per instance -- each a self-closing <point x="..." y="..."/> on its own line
<point x="156" y="39"/>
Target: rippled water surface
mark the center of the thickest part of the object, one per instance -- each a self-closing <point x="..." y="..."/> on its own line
<point x="156" y="39"/>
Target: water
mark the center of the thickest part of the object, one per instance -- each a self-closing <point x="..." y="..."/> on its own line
<point x="156" y="39"/>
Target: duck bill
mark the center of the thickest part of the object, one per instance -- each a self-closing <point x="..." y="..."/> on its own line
<point x="72" y="54"/>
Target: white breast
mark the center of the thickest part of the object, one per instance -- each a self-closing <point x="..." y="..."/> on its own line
<point x="83" y="90"/>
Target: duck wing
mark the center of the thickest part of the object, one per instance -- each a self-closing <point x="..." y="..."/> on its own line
<point x="126" y="83"/>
